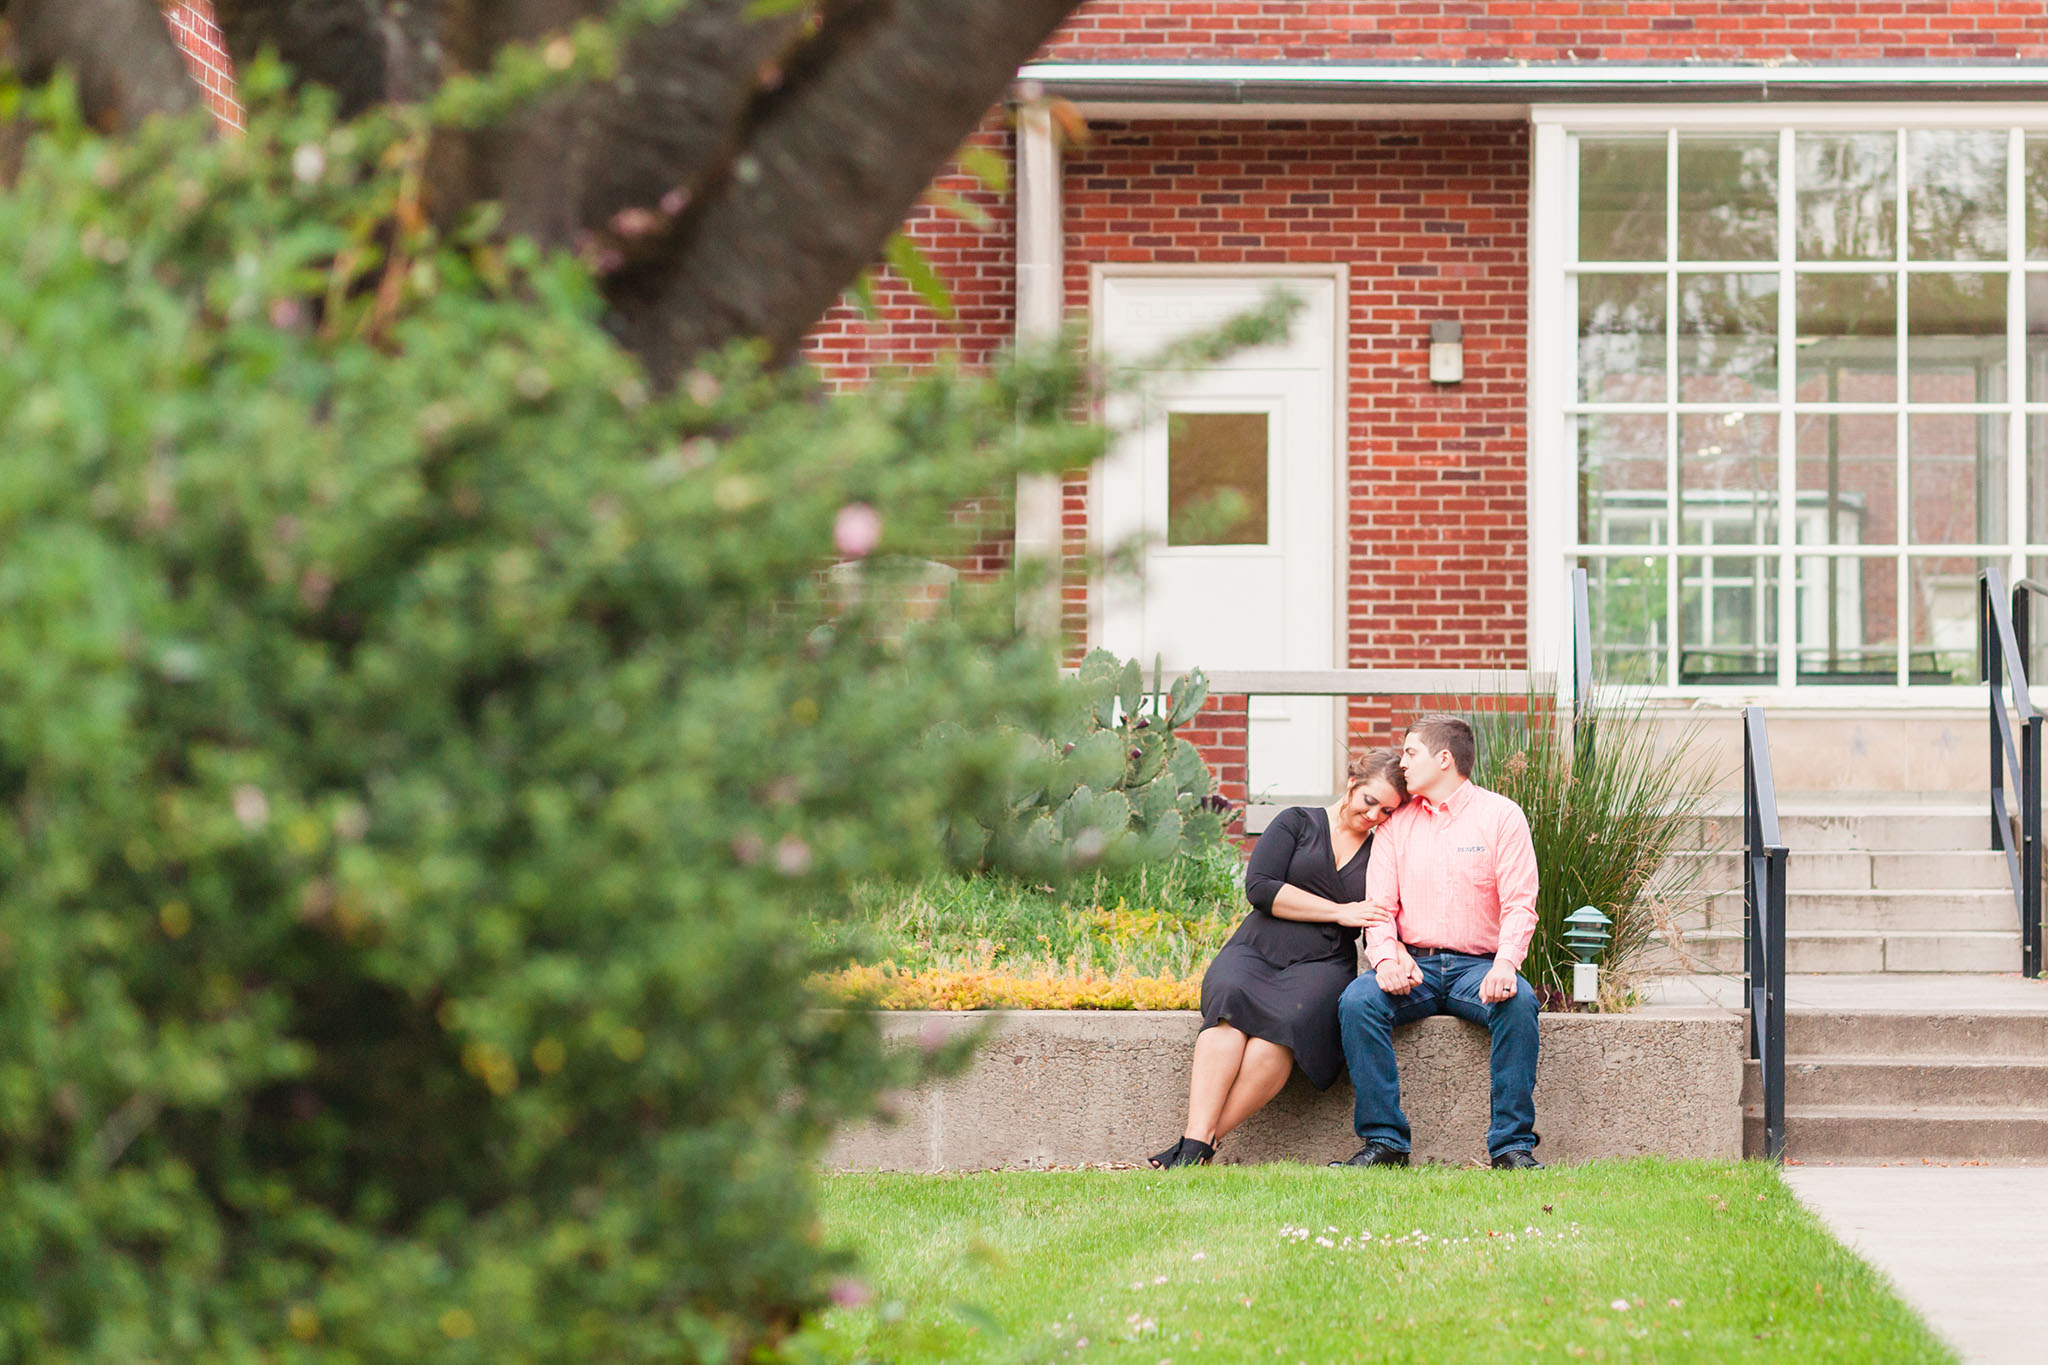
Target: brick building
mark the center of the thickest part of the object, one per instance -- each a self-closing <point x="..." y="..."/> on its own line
<point x="1745" y="309"/>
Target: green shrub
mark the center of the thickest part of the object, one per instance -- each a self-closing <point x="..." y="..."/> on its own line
<point x="1604" y="828"/>
<point x="416" y="743"/>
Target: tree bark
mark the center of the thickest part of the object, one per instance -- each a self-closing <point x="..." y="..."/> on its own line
<point x="739" y="171"/>
<point x="118" y="51"/>
<point x="832" y="163"/>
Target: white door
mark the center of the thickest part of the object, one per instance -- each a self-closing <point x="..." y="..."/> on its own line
<point x="1254" y="590"/>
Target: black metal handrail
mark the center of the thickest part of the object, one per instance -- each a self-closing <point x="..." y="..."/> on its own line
<point x="1763" y="917"/>
<point x="1582" y="667"/>
<point x="2002" y="640"/>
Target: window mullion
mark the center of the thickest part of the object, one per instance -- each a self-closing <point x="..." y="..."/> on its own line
<point x="1788" y="455"/>
<point x="1674" y="596"/>
<point x="1907" y="613"/>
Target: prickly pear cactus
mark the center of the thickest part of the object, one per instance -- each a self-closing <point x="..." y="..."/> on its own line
<point x="1112" y="783"/>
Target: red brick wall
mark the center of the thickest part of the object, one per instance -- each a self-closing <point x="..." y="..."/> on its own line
<point x="206" y="55"/>
<point x="1431" y="218"/>
<point x="966" y="231"/>
<point x="1553" y="31"/>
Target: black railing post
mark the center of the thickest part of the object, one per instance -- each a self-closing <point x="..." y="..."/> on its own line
<point x="1763" y="939"/>
<point x="1751" y="841"/>
<point x="1988" y="657"/>
<point x="1774" y="1027"/>
<point x="2030" y="790"/>
<point x="2030" y="847"/>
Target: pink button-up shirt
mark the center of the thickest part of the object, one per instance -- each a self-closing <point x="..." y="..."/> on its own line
<point x="1458" y="874"/>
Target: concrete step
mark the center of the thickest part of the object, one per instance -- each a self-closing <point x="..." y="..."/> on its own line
<point x="1838" y="748"/>
<point x="1850" y="870"/>
<point x="1896" y="1035"/>
<point x="1857" y="1133"/>
<point x="1908" y="1083"/>
<point x="1851" y="825"/>
<point x="1867" y="912"/>
<point x="1829" y="951"/>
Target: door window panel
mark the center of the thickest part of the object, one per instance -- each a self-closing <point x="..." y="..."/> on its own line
<point x="1216" y="478"/>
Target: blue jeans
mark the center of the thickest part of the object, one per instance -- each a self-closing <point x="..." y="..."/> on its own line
<point x="1367" y="1017"/>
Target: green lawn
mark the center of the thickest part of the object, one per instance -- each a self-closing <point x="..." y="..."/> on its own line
<point x="1639" y="1260"/>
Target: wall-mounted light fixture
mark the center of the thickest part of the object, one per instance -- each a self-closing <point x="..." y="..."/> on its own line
<point x="1446" y="352"/>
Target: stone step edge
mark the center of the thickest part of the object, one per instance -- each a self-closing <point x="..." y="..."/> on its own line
<point x="1909" y="1059"/>
<point x="1882" y="1113"/>
<point x="1815" y="935"/>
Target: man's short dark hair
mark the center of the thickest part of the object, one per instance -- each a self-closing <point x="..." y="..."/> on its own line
<point x="1440" y="732"/>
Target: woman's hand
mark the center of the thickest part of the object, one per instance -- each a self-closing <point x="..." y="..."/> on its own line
<point x="1363" y="914"/>
<point x="1358" y="914"/>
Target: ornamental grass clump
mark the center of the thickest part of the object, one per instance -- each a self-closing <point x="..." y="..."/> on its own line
<point x="1605" y="821"/>
<point x="421" y="746"/>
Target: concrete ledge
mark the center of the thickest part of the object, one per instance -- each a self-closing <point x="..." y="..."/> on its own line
<point x="1066" y="1087"/>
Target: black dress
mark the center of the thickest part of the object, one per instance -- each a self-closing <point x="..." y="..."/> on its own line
<point x="1279" y="979"/>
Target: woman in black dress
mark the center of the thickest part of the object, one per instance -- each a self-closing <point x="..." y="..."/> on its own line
<point x="1269" y="1000"/>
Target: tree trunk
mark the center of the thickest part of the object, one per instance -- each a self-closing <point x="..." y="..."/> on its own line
<point x="118" y="51"/>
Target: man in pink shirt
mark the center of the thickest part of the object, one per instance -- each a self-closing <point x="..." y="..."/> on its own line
<point x="1456" y="871"/>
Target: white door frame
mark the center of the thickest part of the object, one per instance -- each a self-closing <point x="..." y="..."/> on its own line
<point x="1339" y="274"/>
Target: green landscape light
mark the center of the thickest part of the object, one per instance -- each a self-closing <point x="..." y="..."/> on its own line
<point x="1586" y="932"/>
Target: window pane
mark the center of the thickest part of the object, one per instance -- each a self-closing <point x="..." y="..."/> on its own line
<point x="1955" y="472"/>
<point x="1944" y="621"/>
<point x="1848" y="197"/>
<point x="1955" y="195"/>
<point x="1621" y="198"/>
<point x="1216" y="478"/>
<point x="1848" y="473"/>
<point x="1626" y="597"/>
<point x="1728" y="609"/>
<point x="1622" y="472"/>
<point x="1848" y="347"/>
<point x="1727" y="198"/>
<point x="1848" y="619"/>
<point x="2036" y="177"/>
<point x="2037" y="660"/>
<point x="1955" y="338"/>
<point x="1621" y="338"/>
<point x="2037" y="338"/>
<point x="2037" y="482"/>
<point x="1728" y="478"/>
<point x="1727" y="338"/>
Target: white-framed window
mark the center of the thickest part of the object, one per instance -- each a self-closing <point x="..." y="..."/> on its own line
<point x="1789" y="385"/>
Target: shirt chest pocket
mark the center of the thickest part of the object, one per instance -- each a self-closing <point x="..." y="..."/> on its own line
<point x="1474" y="861"/>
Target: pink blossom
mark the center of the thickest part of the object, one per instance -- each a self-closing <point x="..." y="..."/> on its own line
<point x="857" y="530"/>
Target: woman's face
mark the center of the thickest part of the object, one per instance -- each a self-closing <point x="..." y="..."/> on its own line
<point x="1367" y="805"/>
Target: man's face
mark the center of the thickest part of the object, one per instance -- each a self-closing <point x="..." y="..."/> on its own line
<point x="1418" y="764"/>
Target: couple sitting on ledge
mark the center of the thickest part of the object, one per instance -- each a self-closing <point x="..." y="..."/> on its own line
<point x="1441" y="875"/>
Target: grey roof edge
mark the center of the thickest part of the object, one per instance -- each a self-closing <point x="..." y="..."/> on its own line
<point x="1280" y="83"/>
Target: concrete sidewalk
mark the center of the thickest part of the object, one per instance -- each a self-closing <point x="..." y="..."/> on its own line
<point x="1966" y="1246"/>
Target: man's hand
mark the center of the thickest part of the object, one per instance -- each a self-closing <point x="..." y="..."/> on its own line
<point x="1398" y="975"/>
<point x="1499" y="985"/>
